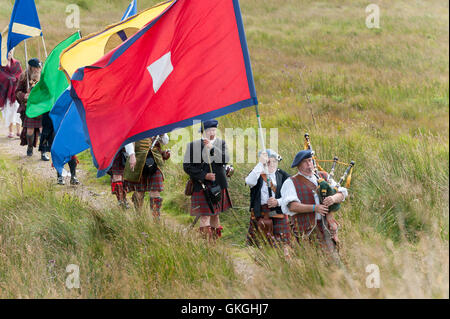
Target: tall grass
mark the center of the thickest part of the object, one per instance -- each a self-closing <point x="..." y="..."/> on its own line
<point x="376" y="96"/>
<point x="120" y="255"/>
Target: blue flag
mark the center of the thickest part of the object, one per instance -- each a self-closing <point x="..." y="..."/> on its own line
<point x="131" y="10"/>
<point x="69" y="138"/>
<point x="24" y="24"/>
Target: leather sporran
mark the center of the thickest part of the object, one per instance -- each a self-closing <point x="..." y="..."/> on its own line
<point x="215" y="194"/>
<point x="189" y="189"/>
<point x="265" y="225"/>
<point x="150" y="166"/>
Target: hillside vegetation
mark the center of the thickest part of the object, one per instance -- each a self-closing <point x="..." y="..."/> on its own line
<point x="376" y="96"/>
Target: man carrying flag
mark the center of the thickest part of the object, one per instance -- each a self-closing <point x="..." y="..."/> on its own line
<point x="31" y="126"/>
<point x="24" y="24"/>
<point x="9" y="79"/>
<point x="42" y="98"/>
<point x="70" y="139"/>
<point x="208" y="173"/>
<point x="189" y="63"/>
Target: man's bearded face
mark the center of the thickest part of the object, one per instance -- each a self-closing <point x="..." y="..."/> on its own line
<point x="306" y="166"/>
<point x="210" y="133"/>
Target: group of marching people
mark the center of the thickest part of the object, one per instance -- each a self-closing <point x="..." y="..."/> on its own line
<point x="282" y="207"/>
<point x="15" y="88"/>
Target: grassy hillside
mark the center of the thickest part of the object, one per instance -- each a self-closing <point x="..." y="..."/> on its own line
<point x="376" y="96"/>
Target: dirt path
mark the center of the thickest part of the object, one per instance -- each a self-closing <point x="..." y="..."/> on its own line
<point x="100" y="196"/>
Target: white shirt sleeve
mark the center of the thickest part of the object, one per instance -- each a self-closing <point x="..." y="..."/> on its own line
<point x="129" y="148"/>
<point x="252" y="178"/>
<point x="165" y="139"/>
<point x="288" y="195"/>
<point x="341" y="189"/>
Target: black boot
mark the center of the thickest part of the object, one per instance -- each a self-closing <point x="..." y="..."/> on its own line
<point x="73" y="172"/>
<point x="30" y="142"/>
<point x="60" y="179"/>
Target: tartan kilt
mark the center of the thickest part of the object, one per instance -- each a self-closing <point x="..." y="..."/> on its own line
<point x="301" y="224"/>
<point x="319" y="237"/>
<point x="152" y="183"/>
<point x="32" y="122"/>
<point x="199" y="206"/>
<point x="281" y="227"/>
<point x="118" y="166"/>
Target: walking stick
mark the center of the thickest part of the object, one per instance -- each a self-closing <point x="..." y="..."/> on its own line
<point x="195" y="221"/>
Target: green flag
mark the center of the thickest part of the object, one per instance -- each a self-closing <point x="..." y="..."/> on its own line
<point x="53" y="81"/>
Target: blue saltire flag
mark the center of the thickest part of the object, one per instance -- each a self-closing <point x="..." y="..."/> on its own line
<point x="24" y="24"/>
<point x="131" y="10"/>
<point x="69" y="138"/>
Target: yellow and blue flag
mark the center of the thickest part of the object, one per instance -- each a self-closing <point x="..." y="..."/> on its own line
<point x="93" y="47"/>
<point x="24" y="24"/>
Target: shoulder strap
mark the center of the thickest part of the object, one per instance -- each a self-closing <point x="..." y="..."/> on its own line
<point x="264" y="177"/>
<point x="305" y="181"/>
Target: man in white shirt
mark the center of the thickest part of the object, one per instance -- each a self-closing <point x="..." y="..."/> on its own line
<point x="265" y="202"/>
<point x="301" y="202"/>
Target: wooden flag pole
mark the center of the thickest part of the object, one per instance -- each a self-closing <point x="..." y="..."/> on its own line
<point x="260" y="128"/>
<point x="26" y="63"/>
<point x="45" y="49"/>
<point x="266" y="168"/>
<point x="39" y="50"/>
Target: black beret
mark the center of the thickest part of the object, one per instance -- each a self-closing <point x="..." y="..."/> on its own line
<point x="34" y="62"/>
<point x="208" y="124"/>
<point x="301" y="156"/>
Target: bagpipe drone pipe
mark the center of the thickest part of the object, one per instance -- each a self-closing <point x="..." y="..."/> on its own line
<point x="325" y="189"/>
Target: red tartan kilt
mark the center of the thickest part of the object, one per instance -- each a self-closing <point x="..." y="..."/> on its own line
<point x="318" y="237"/>
<point x="199" y="206"/>
<point x="32" y="122"/>
<point x="153" y="183"/>
<point x="302" y="223"/>
<point x="282" y="228"/>
<point x="117" y="167"/>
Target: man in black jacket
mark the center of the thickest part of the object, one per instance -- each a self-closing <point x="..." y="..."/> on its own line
<point x="267" y="219"/>
<point x="204" y="162"/>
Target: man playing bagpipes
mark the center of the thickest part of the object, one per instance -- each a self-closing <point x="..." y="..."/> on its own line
<point x="204" y="162"/>
<point x="267" y="220"/>
<point x="143" y="172"/>
<point x="301" y="202"/>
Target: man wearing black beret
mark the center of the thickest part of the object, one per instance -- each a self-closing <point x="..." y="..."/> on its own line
<point x="31" y="126"/>
<point x="301" y="203"/>
<point x="204" y="162"/>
